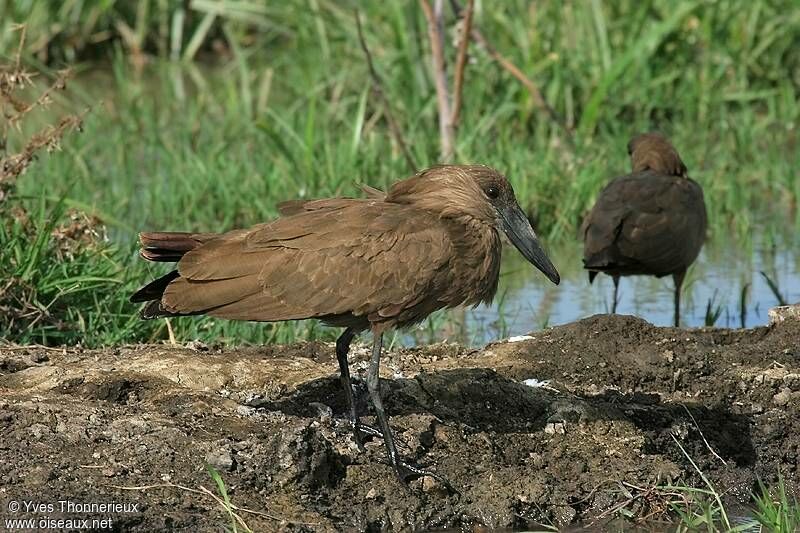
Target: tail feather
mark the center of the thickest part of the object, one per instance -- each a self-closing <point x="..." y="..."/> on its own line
<point x="164" y="247"/>
<point x="155" y="289"/>
<point x="170" y="246"/>
<point x="155" y="309"/>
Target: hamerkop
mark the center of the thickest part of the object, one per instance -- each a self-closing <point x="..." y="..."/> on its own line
<point x="650" y="222"/>
<point x="432" y="242"/>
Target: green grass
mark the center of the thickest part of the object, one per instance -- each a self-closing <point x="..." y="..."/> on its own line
<point x="281" y="108"/>
<point x="699" y="509"/>
<point x="779" y="512"/>
<point x="235" y="521"/>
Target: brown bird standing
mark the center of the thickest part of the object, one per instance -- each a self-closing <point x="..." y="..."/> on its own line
<point x="432" y="242"/>
<point x="650" y="222"/>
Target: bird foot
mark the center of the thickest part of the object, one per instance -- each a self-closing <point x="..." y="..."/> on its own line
<point x="407" y="473"/>
<point x="369" y="431"/>
<point x="362" y="433"/>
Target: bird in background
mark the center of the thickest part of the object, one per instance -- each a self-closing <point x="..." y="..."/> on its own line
<point x="650" y="222"/>
<point x="433" y="241"/>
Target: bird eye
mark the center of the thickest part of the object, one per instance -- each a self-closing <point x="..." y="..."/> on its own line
<point x="492" y="192"/>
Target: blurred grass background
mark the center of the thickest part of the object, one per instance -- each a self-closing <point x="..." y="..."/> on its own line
<point x="205" y="114"/>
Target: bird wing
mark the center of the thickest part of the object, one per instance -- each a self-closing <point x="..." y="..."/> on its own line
<point x="654" y="221"/>
<point x="602" y="225"/>
<point x="294" y="207"/>
<point x="667" y="228"/>
<point x="349" y="257"/>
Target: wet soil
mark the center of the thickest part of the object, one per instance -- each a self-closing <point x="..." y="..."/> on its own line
<point x="568" y="425"/>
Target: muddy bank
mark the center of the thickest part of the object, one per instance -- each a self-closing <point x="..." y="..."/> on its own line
<point x="563" y="426"/>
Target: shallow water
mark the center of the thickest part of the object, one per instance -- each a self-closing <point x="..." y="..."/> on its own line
<point x="526" y="301"/>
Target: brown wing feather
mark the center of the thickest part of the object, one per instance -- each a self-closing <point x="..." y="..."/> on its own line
<point x="340" y="259"/>
<point x="645" y="224"/>
<point x="295" y="207"/>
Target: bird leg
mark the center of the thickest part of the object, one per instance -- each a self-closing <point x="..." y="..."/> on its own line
<point x="342" y="349"/>
<point x="616" y="290"/>
<point x="405" y="471"/>
<point x="677" y="278"/>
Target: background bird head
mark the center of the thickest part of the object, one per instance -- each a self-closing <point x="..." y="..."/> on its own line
<point x="652" y="151"/>
<point x="474" y="194"/>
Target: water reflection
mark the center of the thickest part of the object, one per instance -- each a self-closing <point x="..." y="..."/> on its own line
<point x="713" y="291"/>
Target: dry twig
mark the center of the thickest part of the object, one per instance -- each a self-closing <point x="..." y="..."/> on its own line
<point x="461" y="63"/>
<point x="446" y="132"/>
<point x="714" y="453"/>
<point x="14" y="109"/>
<point x="533" y="89"/>
<point x="378" y="87"/>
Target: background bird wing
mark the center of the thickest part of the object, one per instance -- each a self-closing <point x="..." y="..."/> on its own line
<point x="602" y="225"/>
<point x="352" y="256"/>
<point x="653" y="221"/>
<point x="666" y="226"/>
<point x="656" y="221"/>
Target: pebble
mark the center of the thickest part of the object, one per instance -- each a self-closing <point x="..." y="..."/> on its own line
<point x="784" y="312"/>
<point x="220" y="459"/>
<point x="324" y="412"/>
<point x="783" y="397"/>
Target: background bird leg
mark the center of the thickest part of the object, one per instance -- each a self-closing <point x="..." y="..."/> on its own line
<point x="342" y="349"/>
<point x="616" y="290"/>
<point x="677" y="278"/>
<point x="405" y="471"/>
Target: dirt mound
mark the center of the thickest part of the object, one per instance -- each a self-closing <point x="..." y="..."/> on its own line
<point x="558" y="427"/>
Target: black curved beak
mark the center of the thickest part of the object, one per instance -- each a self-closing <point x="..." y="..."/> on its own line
<point x="522" y="236"/>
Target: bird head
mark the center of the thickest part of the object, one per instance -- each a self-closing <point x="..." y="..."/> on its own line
<point x="652" y="151"/>
<point x="477" y="193"/>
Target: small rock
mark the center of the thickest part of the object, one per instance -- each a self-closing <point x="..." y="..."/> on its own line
<point x="792" y="381"/>
<point x="433" y="485"/>
<point x="783" y="397"/>
<point x="371" y="494"/>
<point x="198" y="346"/>
<point x="243" y="410"/>
<point x="220" y="459"/>
<point x="440" y="434"/>
<point x="553" y="428"/>
<point x="784" y="312"/>
<point x="564" y="515"/>
<point x="324" y="412"/>
<point x="40" y="475"/>
<point x="38" y="430"/>
<point x="537" y="384"/>
<point x="38" y="357"/>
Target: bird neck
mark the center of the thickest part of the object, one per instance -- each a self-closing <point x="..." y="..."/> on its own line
<point x="476" y="264"/>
